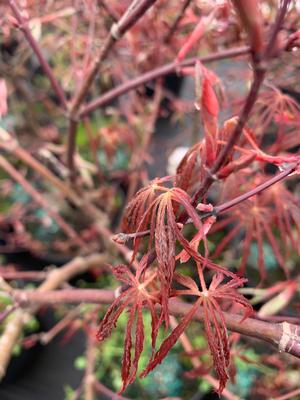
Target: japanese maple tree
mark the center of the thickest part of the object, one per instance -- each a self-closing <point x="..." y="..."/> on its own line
<point x="185" y="241"/>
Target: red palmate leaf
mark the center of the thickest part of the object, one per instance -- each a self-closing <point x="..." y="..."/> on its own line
<point x="137" y="296"/>
<point x="217" y="338"/>
<point x="256" y="219"/>
<point x="200" y="157"/>
<point x="164" y="232"/>
<point x="214" y="322"/>
<point x="274" y="106"/>
<point x="170" y="341"/>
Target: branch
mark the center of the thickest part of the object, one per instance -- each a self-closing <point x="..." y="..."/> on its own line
<point x="11" y="145"/>
<point x="284" y="5"/>
<point x="6" y="313"/>
<point x="55" y="279"/>
<point x="15" y="174"/>
<point x="38" y="52"/>
<point x="260" y="188"/>
<point x="134" y="12"/>
<point x="124" y="237"/>
<point x="110" y="11"/>
<point x="289" y="395"/>
<point x="285" y="336"/>
<point x="10" y="336"/>
<point x="177" y="20"/>
<point x="156" y="73"/>
<point x="100" y="388"/>
<point x="259" y="74"/>
<point x="89" y="376"/>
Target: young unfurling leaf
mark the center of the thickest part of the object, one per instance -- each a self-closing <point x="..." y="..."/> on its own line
<point x="194" y="38"/>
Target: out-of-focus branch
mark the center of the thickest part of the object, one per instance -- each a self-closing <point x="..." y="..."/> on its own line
<point x="110" y="11"/>
<point x="174" y="26"/>
<point x="55" y="279"/>
<point x="156" y="73"/>
<point x="289" y="395"/>
<point x="15" y="174"/>
<point x="100" y="388"/>
<point x="250" y="15"/>
<point x="38" y="52"/>
<point x="134" y="12"/>
<point x="10" y="336"/>
<point x="139" y="156"/>
<point x="11" y="145"/>
<point x="162" y="71"/>
<point x="89" y="376"/>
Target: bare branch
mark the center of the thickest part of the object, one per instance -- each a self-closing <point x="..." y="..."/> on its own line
<point x="134" y="12"/>
<point x="156" y="73"/>
<point x="55" y="279"/>
<point x="38" y="52"/>
<point x="285" y="336"/>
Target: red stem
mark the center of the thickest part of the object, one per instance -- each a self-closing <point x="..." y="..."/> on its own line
<point x="277" y="178"/>
<point x="156" y="73"/>
<point x="259" y="74"/>
<point x="124" y="237"/>
<point x="277" y="334"/>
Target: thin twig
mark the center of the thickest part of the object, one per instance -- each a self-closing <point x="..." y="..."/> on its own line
<point x="288" y="395"/>
<point x="38" y="52"/>
<point x="15" y="174"/>
<point x="100" y="388"/>
<point x="124" y="237"/>
<point x="259" y="74"/>
<point x="55" y="279"/>
<point x="258" y="189"/>
<point x="110" y="11"/>
<point x="89" y="376"/>
<point x="177" y="20"/>
<point x="46" y="337"/>
<point x="284" y="5"/>
<point x="22" y="275"/>
<point x="138" y="158"/>
<point x="9" y="310"/>
<point x="11" y="145"/>
<point x="134" y="12"/>
<point x="77" y="394"/>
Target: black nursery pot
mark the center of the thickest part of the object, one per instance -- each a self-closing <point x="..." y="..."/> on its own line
<point x="19" y="364"/>
<point x="41" y="372"/>
<point x="173" y="84"/>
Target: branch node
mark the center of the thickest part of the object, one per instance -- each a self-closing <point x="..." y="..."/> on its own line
<point x="114" y="32"/>
<point x="290" y="340"/>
